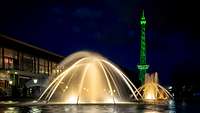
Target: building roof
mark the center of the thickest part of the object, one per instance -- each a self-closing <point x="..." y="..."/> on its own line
<point x="12" y="43"/>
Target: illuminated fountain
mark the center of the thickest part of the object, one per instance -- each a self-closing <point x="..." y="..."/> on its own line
<point x="152" y="91"/>
<point x="89" y="78"/>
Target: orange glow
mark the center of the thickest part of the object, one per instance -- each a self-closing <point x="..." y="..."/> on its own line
<point x="151" y="90"/>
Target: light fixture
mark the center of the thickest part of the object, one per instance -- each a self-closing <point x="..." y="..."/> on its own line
<point x="170" y="87"/>
<point x="35" y="81"/>
<point x="10" y="82"/>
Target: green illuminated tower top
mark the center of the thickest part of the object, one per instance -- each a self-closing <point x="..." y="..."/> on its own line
<point x="142" y="67"/>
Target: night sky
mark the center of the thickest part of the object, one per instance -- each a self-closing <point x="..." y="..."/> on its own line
<point x="111" y="28"/>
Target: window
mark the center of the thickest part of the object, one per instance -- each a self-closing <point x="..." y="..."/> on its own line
<point x="8" y="63"/>
<point x="1" y="57"/>
<point x="50" y="67"/>
<point x="54" y="68"/>
<point x="36" y="65"/>
<point x="27" y="62"/>
<point x="10" y="53"/>
<point x="46" y="66"/>
<point x="10" y="59"/>
<point x="41" y="66"/>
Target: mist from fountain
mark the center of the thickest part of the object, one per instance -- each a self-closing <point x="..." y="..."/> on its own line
<point x="89" y="78"/>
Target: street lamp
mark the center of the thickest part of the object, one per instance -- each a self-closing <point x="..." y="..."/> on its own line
<point x="35" y="81"/>
<point x="10" y="82"/>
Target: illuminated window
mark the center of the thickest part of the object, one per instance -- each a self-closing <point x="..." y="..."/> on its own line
<point x="54" y="68"/>
<point x="1" y="63"/>
<point x="50" y="67"/>
<point x="10" y="53"/>
<point x="36" y="65"/>
<point x="41" y="66"/>
<point x="8" y="63"/>
<point x="45" y="66"/>
<point x="10" y="59"/>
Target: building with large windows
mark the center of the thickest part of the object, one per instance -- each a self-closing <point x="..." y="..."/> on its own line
<point x="21" y="63"/>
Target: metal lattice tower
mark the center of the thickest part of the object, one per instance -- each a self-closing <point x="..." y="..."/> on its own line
<point x="142" y="67"/>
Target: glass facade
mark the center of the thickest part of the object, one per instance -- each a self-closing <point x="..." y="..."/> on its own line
<point x="46" y="67"/>
<point x="10" y="59"/>
<point x="1" y="58"/>
<point x="36" y="62"/>
<point x="50" y="67"/>
<point x="41" y="66"/>
<point x="14" y="60"/>
<point x="21" y="63"/>
<point x="27" y="63"/>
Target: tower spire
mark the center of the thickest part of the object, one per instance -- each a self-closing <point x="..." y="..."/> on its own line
<point x="142" y="67"/>
<point x="143" y="14"/>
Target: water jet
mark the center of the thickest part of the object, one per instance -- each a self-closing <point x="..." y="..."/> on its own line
<point x="89" y="78"/>
<point x="152" y="91"/>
